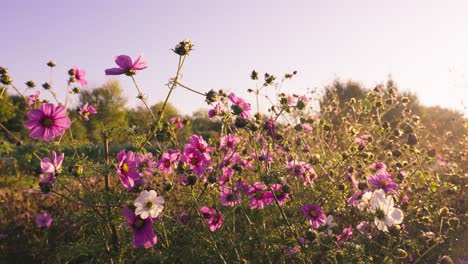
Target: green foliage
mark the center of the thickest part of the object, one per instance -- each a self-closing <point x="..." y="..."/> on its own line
<point x="110" y="103"/>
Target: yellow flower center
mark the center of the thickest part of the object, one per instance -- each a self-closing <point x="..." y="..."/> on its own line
<point x="313" y="213"/>
<point x="125" y="168"/>
<point x="149" y="205"/>
<point x="383" y="183"/>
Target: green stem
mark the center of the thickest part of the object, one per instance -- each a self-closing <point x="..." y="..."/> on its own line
<point x="141" y="97"/>
<point x="204" y="224"/>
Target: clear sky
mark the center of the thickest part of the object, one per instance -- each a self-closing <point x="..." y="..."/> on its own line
<point x="422" y="44"/>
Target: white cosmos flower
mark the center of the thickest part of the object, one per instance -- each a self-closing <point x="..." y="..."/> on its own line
<point x="365" y="200"/>
<point x="385" y="214"/>
<point x="329" y="224"/>
<point x="148" y="204"/>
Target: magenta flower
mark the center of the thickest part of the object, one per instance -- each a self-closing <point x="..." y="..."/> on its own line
<point x="229" y="142"/>
<point x="44" y="220"/>
<point x="126" y="66"/>
<point x="48" y="122"/>
<point x="128" y="170"/>
<point x="228" y="197"/>
<point x="270" y="126"/>
<point x="259" y="196"/>
<point x="167" y="160"/>
<point x="32" y="99"/>
<point x="345" y="234"/>
<point x="280" y="194"/>
<point x="239" y="106"/>
<point x="216" y="111"/>
<point x="213" y="219"/>
<point x="86" y="110"/>
<point x="178" y="121"/>
<point x="143" y="235"/>
<point x="53" y="166"/>
<point x="146" y="163"/>
<point x="379" y="167"/>
<point x="80" y="75"/>
<point x="361" y="140"/>
<point x="226" y="176"/>
<point x="384" y="182"/>
<point x="196" y="161"/>
<point x="314" y="214"/>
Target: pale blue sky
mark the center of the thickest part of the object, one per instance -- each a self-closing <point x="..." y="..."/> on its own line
<point x="423" y="45"/>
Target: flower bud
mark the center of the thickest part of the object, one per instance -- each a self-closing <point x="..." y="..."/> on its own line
<point x="446" y="260"/>
<point x="400" y="253"/>
<point x="396" y="153"/>
<point x="405" y="101"/>
<point x="30" y="84"/>
<point x="51" y="64"/>
<point x="76" y="90"/>
<point x="254" y="75"/>
<point x="45" y="187"/>
<point x="211" y="97"/>
<point x="183" y="48"/>
<point x="432" y="152"/>
<point x="412" y="139"/>
<point x="191" y="179"/>
<point x="46" y="86"/>
<point x="212" y="178"/>
<point x="241" y="122"/>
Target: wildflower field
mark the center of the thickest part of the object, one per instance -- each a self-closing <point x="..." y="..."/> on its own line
<point x="347" y="175"/>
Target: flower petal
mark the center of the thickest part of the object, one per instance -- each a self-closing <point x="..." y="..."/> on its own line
<point x="35" y="114"/>
<point x="124" y="62"/>
<point x="115" y="71"/>
<point x="140" y="64"/>
<point x="36" y="132"/>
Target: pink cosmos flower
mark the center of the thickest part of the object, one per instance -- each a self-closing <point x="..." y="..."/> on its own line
<point x="379" y="167"/>
<point x="213" y="219"/>
<point x="314" y="214"/>
<point x="259" y="196"/>
<point x="80" y="75"/>
<point x="280" y="194"/>
<point x="168" y="160"/>
<point x="228" y="197"/>
<point x="361" y="140"/>
<point x="86" y="110"/>
<point x="128" y="170"/>
<point x="345" y="234"/>
<point x="239" y="106"/>
<point x="226" y="176"/>
<point x="126" y="66"/>
<point x="146" y="163"/>
<point x="44" y="220"/>
<point x="48" y="122"/>
<point x="383" y="181"/>
<point x="216" y="111"/>
<point x="364" y="228"/>
<point x="53" y="166"/>
<point x="196" y="161"/>
<point x="178" y="121"/>
<point x="270" y="126"/>
<point x="229" y="142"/>
<point x="143" y="235"/>
<point x="32" y="99"/>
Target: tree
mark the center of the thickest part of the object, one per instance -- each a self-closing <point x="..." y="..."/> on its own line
<point x="110" y="105"/>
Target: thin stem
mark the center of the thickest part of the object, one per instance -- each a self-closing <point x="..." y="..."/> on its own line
<point x="141" y="97"/>
<point x="204" y="224"/>
<point x="11" y="134"/>
<point x="160" y="114"/>
<point x="192" y="90"/>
